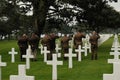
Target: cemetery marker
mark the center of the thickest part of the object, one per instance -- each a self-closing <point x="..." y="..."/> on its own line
<point x="79" y="50"/>
<point x="41" y="49"/>
<point x="86" y="47"/>
<point x="21" y="74"/>
<point x="28" y="56"/>
<point x="116" y="73"/>
<point x="13" y="55"/>
<point x="70" y="55"/>
<point x="45" y="52"/>
<point x="57" y="50"/>
<point x="116" y="57"/>
<point x="54" y="64"/>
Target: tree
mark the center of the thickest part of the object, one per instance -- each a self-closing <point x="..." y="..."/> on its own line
<point x="54" y="13"/>
<point x="41" y="13"/>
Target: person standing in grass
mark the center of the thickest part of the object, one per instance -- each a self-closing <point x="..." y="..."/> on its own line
<point x="53" y="37"/>
<point x="45" y="41"/>
<point x="49" y="41"/>
<point x="78" y="39"/>
<point x="94" y="45"/>
<point x="65" y="44"/>
<point x="23" y="45"/>
<point x="34" y="41"/>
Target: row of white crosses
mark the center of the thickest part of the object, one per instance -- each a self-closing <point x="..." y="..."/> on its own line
<point x="116" y="62"/>
<point x="116" y="52"/>
<point x="45" y="51"/>
<point x="86" y="47"/>
<point x="22" y="68"/>
<point x="103" y="38"/>
<point x="55" y="62"/>
<point x="79" y="51"/>
<point x="27" y="56"/>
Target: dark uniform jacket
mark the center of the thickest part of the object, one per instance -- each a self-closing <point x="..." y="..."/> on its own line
<point x="23" y="42"/>
<point x="34" y="42"/>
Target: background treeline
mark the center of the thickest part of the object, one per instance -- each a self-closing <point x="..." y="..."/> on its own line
<point x="56" y="15"/>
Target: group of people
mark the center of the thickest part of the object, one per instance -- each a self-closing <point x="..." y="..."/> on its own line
<point x="23" y="43"/>
<point x="77" y="40"/>
<point x="49" y="40"/>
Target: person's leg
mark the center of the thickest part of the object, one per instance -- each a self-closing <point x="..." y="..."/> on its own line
<point x="92" y="52"/>
<point x="96" y="56"/>
<point x="65" y="52"/>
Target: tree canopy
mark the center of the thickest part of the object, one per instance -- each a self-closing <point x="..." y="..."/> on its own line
<point x="56" y="14"/>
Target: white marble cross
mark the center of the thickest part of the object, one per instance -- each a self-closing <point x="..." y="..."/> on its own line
<point x="79" y="50"/>
<point x="116" y="41"/>
<point x="28" y="56"/>
<point x="70" y="55"/>
<point x="45" y="52"/>
<point x="41" y="49"/>
<point x="85" y="48"/>
<point x="116" y="46"/>
<point x="116" y="73"/>
<point x="57" y="50"/>
<point x="87" y="45"/>
<point x="116" y="57"/>
<point x="1" y="65"/>
<point x="21" y="74"/>
<point x="13" y="55"/>
<point x="54" y="64"/>
<point x="72" y="42"/>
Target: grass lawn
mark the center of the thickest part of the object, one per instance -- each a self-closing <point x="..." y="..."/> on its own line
<point x="87" y="69"/>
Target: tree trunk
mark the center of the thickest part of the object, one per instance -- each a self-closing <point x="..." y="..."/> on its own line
<point x="40" y="9"/>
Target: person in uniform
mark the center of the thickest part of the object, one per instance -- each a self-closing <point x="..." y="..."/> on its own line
<point x="53" y="42"/>
<point x="65" y="44"/>
<point x="78" y="39"/>
<point x="46" y="40"/>
<point x="94" y="44"/>
<point x="34" y="42"/>
<point x="49" y="41"/>
<point x="23" y="45"/>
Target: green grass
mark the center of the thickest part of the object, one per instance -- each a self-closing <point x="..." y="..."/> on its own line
<point x="87" y="69"/>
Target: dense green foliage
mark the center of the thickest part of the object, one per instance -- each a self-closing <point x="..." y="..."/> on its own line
<point x="56" y="14"/>
<point x="87" y="69"/>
